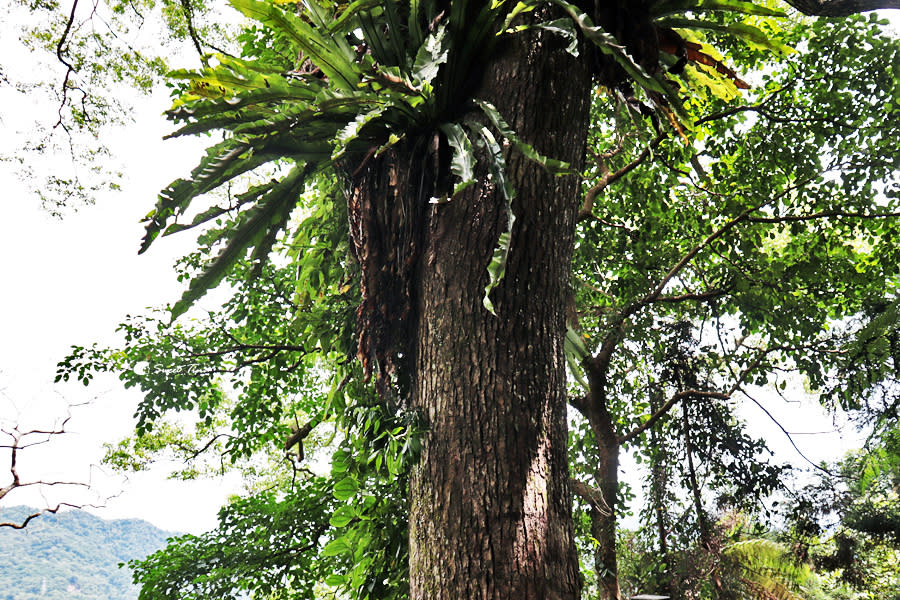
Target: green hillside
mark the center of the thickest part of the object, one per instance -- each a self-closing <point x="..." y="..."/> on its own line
<point x="72" y="555"/>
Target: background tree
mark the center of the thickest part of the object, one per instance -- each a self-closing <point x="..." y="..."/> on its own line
<point x="745" y="293"/>
<point x="86" y="65"/>
<point x="846" y="521"/>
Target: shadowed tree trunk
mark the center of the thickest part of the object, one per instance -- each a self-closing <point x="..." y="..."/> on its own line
<point x="606" y="477"/>
<point x="840" y="8"/>
<point x="658" y="489"/>
<point x="603" y="521"/>
<point x="490" y="513"/>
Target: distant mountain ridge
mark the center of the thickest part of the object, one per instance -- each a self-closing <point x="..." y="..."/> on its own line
<point x="72" y="555"/>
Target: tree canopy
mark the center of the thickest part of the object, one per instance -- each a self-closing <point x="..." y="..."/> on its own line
<point x="733" y="234"/>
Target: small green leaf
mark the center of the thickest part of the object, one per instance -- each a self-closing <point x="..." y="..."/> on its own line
<point x="431" y="55"/>
<point x="575" y="345"/>
<point x="351" y="132"/>
<point x="345" y="488"/>
<point x="462" y="162"/>
<point x="497" y="269"/>
<point x="340" y="462"/>
<point x="336" y="547"/>
<point x="342" y="516"/>
<point x="576" y="352"/>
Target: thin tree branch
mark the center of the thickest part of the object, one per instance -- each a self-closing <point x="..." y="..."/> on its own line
<point x="611" y="340"/>
<point x="189" y="17"/>
<point x="14" y="447"/>
<point x="609" y="178"/>
<point x="61" y="46"/>
<point x="787" y="434"/>
<point x="823" y="215"/>
<point x="665" y="409"/>
<point x="590" y="495"/>
<point x="579" y="403"/>
<point x="192" y="454"/>
<point x="298" y="434"/>
<point x="758" y="109"/>
<point x="37" y="514"/>
<point x="699" y="296"/>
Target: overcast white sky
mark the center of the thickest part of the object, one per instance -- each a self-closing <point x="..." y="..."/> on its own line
<point x="71" y="281"/>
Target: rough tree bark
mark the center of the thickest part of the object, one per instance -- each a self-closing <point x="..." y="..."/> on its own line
<point x="490" y="513"/>
<point x="606" y="479"/>
<point x="840" y="8"/>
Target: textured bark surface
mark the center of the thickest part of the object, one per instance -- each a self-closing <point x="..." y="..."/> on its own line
<point x="606" y="478"/>
<point x="490" y="513"/>
<point x="840" y="8"/>
<point x="603" y="523"/>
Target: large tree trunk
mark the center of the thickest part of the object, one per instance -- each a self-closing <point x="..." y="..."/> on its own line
<point x="490" y="512"/>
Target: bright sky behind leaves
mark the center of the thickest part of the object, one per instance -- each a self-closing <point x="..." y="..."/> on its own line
<point x="71" y="281"/>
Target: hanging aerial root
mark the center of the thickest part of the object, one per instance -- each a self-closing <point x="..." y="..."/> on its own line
<point x="386" y="207"/>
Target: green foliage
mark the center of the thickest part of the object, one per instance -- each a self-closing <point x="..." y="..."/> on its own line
<point x="756" y="241"/>
<point x="248" y="375"/>
<point x="345" y="531"/>
<point x="767" y="569"/>
<point x="736" y="562"/>
<point x="91" y="64"/>
<point x="750" y="255"/>
<point x="875" y="505"/>
<point x="264" y="543"/>
<point x="845" y="523"/>
<point x="772" y="250"/>
<point x="355" y="106"/>
<point x="339" y="106"/>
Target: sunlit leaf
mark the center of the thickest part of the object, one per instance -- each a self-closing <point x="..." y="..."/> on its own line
<point x="462" y="161"/>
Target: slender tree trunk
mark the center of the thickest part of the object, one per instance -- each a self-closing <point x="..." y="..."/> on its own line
<point x="702" y="520"/>
<point x="658" y="488"/>
<point x="603" y="513"/>
<point x="692" y="478"/>
<point x="490" y="508"/>
<point x="603" y="521"/>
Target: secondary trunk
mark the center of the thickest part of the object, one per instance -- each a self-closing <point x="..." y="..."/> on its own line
<point x="490" y="513"/>
<point x="603" y="521"/>
<point x="658" y="489"/>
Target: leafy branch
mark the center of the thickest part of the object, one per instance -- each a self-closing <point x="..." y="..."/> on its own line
<point x="609" y="177"/>
<point x="664" y="409"/>
<point x="61" y="49"/>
